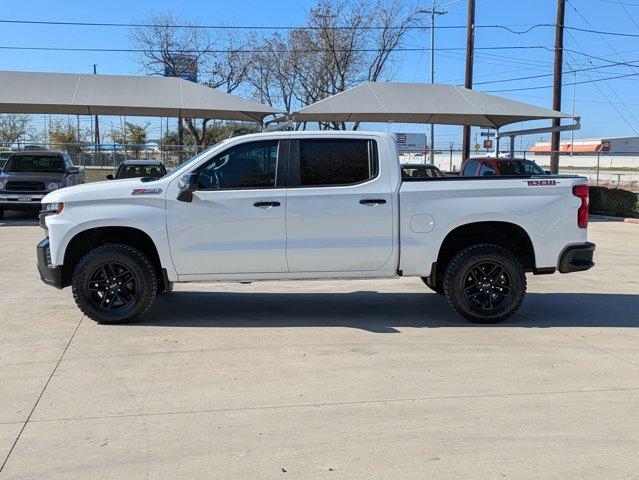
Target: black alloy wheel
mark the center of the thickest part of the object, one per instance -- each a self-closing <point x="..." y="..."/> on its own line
<point x="112" y="287"/>
<point x="487" y="285"/>
<point x="114" y="283"/>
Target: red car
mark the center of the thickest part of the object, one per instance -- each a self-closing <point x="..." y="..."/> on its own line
<point x="484" y="166"/>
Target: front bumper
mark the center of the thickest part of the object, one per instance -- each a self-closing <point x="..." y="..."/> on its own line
<point x="577" y="258"/>
<point x="10" y="200"/>
<point x="49" y="274"/>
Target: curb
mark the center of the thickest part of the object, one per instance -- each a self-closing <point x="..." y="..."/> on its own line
<point x="615" y="219"/>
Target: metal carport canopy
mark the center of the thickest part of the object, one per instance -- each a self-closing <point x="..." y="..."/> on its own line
<point x="421" y="103"/>
<point x="82" y="94"/>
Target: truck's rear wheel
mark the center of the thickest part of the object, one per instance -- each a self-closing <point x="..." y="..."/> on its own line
<point x="114" y="284"/>
<point x="485" y="283"/>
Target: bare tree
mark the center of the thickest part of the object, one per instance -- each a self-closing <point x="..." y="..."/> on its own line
<point x="272" y="77"/>
<point x="225" y="68"/>
<point x="343" y="44"/>
<point x="170" y="45"/>
<point x="14" y="127"/>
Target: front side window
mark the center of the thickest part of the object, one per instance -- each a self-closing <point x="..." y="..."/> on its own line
<point x="328" y="162"/>
<point x="248" y="165"/>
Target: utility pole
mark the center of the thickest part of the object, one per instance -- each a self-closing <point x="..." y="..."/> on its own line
<point x="97" y="123"/>
<point x="432" y="11"/>
<point x="572" y="132"/>
<point x="556" y="91"/>
<point x="468" y="82"/>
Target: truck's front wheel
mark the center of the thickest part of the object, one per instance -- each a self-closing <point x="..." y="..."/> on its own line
<point x="485" y="283"/>
<point x="114" y="283"/>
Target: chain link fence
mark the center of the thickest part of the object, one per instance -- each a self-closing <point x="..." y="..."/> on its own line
<point x="603" y="169"/>
<point x="100" y="161"/>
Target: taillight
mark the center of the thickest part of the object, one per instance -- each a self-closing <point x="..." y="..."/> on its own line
<point x="581" y="191"/>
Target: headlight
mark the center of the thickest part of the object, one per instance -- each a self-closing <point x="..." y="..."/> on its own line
<point x="54" y="186"/>
<point x="53" y="207"/>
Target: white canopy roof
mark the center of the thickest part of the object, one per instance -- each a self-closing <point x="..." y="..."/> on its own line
<point x="422" y="103"/>
<point x="66" y="93"/>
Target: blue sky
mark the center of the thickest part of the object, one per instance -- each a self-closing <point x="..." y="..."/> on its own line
<point x="608" y="108"/>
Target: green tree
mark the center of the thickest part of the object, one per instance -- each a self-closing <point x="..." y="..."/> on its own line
<point x="62" y="133"/>
<point x="134" y="137"/>
<point x="214" y="133"/>
<point x="14" y="128"/>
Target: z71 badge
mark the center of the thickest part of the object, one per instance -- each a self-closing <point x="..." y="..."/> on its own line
<point x="146" y="191"/>
<point x="541" y="183"/>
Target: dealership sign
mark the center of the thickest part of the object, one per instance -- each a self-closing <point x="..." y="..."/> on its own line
<point x="411" y="142"/>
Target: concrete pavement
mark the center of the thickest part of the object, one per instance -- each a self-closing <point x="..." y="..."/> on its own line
<point x="344" y="380"/>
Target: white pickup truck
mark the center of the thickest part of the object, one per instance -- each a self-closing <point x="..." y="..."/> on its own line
<point x="311" y="205"/>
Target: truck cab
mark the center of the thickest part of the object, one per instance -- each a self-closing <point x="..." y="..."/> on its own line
<point x="27" y="177"/>
<point x="487" y="166"/>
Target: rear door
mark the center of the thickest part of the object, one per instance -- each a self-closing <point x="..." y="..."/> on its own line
<point x="339" y="206"/>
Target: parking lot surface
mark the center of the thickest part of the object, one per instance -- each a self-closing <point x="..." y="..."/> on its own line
<point x="332" y="379"/>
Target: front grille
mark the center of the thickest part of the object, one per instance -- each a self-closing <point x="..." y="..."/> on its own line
<point x="47" y="254"/>
<point x="25" y="186"/>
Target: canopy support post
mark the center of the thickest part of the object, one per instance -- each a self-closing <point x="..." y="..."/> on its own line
<point x="512" y="146"/>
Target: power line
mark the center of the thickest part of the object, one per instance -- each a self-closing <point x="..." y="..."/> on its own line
<point x="565" y="84"/>
<point x="621" y="3"/>
<point x="294" y="50"/>
<point x="306" y="27"/>
<point x="630" y="64"/>
<point x="611" y="48"/>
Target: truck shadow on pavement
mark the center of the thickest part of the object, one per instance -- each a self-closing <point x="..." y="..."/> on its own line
<point x="19" y="219"/>
<point x="379" y="312"/>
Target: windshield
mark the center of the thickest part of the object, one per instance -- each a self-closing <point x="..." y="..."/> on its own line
<point x="34" y="164"/>
<point x="525" y="167"/>
<point x="135" y="171"/>
<point x="420" y="171"/>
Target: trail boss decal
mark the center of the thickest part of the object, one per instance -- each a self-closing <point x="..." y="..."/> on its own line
<point x="146" y="191"/>
<point x="541" y="183"/>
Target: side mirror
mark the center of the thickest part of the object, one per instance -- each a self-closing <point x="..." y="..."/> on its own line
<point x="110" y="176"/>
<point x="547" y="172"/>
<point x="73" y="170"/>
<point x="187" y="184"/>
<point x="488" y="174"/>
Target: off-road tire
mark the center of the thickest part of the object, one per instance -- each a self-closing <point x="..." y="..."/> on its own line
<point x="1" y="213"/>
<point x="145" y="286"/>
<point x="458" y="275"/>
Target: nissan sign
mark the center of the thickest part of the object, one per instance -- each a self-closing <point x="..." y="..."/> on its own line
<point x="411" y="142"/>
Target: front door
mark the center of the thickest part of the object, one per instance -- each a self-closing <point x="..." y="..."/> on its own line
<point x="339" y="211"/>
<point x="236" y="220"/>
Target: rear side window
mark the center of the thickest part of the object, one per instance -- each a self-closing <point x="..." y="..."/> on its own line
<point x="486" y="169"/>
<point x="520" y="168"/>
<point x="327" y="162"/>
